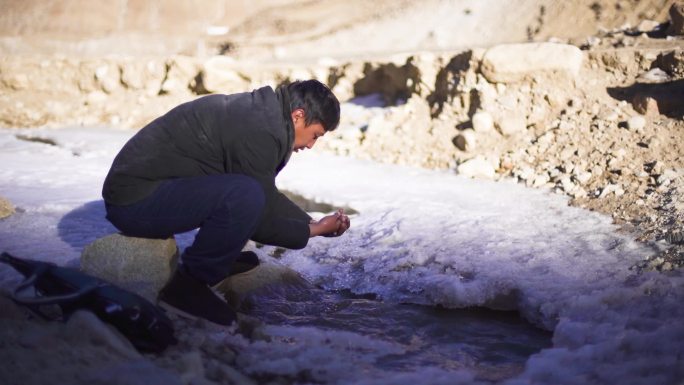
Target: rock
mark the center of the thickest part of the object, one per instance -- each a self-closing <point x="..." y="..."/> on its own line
<point x="540" y="180"/>
<point x="140" y="265"/>
<point x="636" y="123"/>
<point x="465" y="141"/>
<point x="666" y="177"/>
<point x="611" y="188"/>
<point x="647" y="25"/>
<point x="582" y="177"/>
<point x="513" y="62"/>
<point x="180" y="75"/>
<point x="264" y="277"/>
<point x="6" y="208"/>
<point x="525" y="173"/>
<point x="107" y="77"/>
<point x="482" y="121"/>
<point x="567" y="185"/>
<point x="645" y="105"/>
<point x="655" y="75"/>
<point x="143" y="75"/>
<point x="218" y="76"/>
<point x="672" y="63"/>
<point x="620" y="61"/>
<point x="610" y="116"/>
<point x="460" y="142"/>
<point x="676" y="19"/>
<point x="477" y="167"/>
<point x="511" y="124"/>
<point x="566" y="155"/>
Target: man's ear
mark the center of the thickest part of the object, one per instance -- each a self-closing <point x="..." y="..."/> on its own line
<point x="297" y="114"/>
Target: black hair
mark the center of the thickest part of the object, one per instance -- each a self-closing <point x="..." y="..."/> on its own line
<point x="319" y="103"/>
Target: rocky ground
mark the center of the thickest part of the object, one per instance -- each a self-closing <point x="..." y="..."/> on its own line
<point x="607" y="133"/>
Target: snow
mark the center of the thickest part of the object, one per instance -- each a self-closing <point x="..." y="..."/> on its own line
<point x="426" y="237"/>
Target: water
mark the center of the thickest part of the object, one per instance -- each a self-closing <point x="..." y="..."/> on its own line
<point x="492" y="344"/>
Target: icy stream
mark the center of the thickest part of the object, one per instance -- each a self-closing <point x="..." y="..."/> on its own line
<point x="421" y="237"/>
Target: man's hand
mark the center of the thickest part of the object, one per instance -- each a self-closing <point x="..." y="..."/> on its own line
<point x="332" y="225"/>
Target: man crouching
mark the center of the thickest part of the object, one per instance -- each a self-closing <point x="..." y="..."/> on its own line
<point x="211" y="164"/>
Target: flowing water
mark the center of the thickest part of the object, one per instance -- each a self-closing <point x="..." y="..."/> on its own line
<point x="492" y="344"/>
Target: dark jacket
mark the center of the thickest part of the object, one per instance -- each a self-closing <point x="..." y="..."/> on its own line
<point x="247" y="133"/>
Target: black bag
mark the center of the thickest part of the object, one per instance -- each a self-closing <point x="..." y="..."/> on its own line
<point x="143" y="323"/>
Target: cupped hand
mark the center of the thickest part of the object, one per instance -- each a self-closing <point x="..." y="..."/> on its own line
<point x="332" y="225"/>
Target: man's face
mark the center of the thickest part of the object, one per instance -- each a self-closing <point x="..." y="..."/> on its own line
<point x="305" y="136"/>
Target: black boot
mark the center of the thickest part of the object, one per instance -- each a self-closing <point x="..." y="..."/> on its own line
<point x="192" y="298"/>
<point x="246" y="261"/>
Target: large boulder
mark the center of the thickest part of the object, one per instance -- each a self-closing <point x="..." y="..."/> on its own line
<point x="140" y="265"/>
<point x="6" y="208"/>
<point x="509" y="63"/>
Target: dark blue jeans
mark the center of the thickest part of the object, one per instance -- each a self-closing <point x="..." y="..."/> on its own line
<point x="226" y="208"/>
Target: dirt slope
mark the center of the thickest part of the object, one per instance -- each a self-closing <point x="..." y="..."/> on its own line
<point x="296" y="30"/>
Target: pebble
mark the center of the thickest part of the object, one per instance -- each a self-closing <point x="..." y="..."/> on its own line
<point x="566" y="154"/>
<point x="483" y="122"/>
<point x="567" y="184"/>
<point x="460" y="142"/>
<point x="525" y="173"/>
<point x="607" y="190"/>
<point x="477" y="167"/>
<point x="636" y="123"/>
<point x="647" y="25"/>
<point x="540" y="180"/>
<point x="583" y="177"/>
<point x="512" y="124"/>
<point x="465" y="141"/>
<point x="611" y="116"/>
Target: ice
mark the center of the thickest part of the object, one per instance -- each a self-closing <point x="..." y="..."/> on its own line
<point x="436" y="238"/>
<point x="426" y="237"/>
